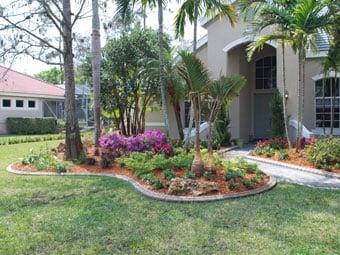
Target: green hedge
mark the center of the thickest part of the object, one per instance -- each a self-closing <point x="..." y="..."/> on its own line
<point x="31" y="126"/>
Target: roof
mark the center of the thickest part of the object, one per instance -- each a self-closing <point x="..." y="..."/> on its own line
<point x="13" y="82"/>
<point x="80" y="89"/>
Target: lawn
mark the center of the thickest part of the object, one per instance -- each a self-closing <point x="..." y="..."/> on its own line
<point x="90" y="215"/>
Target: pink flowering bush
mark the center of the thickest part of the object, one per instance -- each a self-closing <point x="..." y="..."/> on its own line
<point x="151" y="140"/>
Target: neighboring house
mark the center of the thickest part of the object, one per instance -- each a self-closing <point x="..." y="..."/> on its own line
<point x="24" y="96"/>
<point x="223" y="52"/>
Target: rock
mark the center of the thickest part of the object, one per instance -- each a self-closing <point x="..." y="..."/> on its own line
<point x="184" y="186"/>
<point x="205" y="187"/>
<point x="180" y="186"/>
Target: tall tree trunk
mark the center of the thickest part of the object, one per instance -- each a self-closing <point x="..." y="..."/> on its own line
<point x="298" y="134"/>
<point x="210" y="162"/>
<point x="302" y="95"/>
<point x="177" y="111"/>
<point x="72" y="138"/>
<point x="197" y="165"/>
<point x="285" y="115"/>
<point x="194" y="47"/>
<point x="333" y="93"/>
<point x="161" y="67"/>
<point x="323" y="106"/>
<point x="96" y="61"/>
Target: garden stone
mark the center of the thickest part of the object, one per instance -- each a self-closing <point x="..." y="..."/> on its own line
<point x="204" y="188"/>
<point x="180" y="186"/>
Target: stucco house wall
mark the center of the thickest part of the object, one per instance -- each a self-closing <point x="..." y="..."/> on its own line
<point x="14" y="111"/>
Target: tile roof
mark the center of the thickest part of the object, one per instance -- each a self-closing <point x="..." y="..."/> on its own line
<point x="14" y="82"/>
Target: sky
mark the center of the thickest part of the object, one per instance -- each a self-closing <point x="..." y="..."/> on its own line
<point x="29" y="66"/>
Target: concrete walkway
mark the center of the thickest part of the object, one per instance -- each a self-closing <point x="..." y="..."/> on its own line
<point x="290" y="174"/>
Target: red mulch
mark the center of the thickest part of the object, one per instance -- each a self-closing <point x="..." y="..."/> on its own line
<point x="297" y="158"/>
<point x="218" y="177"/>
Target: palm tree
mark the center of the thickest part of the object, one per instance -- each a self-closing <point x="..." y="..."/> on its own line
<point x="96" y="61"/>
<point x="197" y="80"/>
<point x="266" y="14"/>
<point x="302" y="21"/>
<point x="175" y="85"/>
<point x="122" y="8"/>
<point x="191" y="10"/>
<point x="221" y="92"/>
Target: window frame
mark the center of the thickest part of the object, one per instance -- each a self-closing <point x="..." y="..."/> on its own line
<point x="263" y="78"/>
<point x="10" y="103"/>
<point x="331" y="104"/>
<point x="20" y="107"/>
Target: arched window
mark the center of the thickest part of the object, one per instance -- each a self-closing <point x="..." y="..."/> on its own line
<point x="265" y="73"/>
<point x="327" y="102"/>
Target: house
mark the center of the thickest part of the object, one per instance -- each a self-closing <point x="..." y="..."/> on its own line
<point x="223" y="52"/>
<point x="24" y="96"/>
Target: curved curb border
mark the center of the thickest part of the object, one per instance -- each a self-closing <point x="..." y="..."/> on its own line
<point x="154" y="195"/>
<point x="295" y="167"/>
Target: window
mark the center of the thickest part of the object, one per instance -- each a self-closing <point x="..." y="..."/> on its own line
<point x="6" y="103"/>
<point x="31" y="104"/>
<point x="19" y="103"/>
<point x="327" y="102"/>
<point x="265" y="73"/>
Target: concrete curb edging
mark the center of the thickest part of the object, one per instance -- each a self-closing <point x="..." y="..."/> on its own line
<point x="296" y="167"/>
<point x="154" y="195"/>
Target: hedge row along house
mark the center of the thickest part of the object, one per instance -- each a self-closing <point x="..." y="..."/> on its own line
<point x="24" y="96"/>
<point x="223" y="52"/>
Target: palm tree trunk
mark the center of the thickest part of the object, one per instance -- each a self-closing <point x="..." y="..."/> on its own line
<point x="298" y="134"/>
<point x="302" y="93"/>
<point x="323" y="106"/>
<point x="333" y="93"/>
<point x="96" y="61"/>
<point x="285" y="115"/>
<point x="194" y="47"/>
<point x="161" y="67"/>
<point x="177" y="111"/>
<point x="197" y="165"/>
<point x="72" y="138"/>
<point x="210" y="160"/>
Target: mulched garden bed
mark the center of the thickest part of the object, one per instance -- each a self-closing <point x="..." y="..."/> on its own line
<point x="217" y="179"/>
<point x="296" y="158"/>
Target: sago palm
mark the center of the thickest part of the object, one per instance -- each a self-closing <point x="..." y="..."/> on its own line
<point x="221" y="92"/>
<point x="197" y="79"/>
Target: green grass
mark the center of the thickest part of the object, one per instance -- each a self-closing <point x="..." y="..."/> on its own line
<point x="81" y="215"/>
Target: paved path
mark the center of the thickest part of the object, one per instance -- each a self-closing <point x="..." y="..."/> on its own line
<point x="290" y="174"/>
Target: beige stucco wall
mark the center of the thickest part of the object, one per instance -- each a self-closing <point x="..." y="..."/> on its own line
<point x="21" y="112"/>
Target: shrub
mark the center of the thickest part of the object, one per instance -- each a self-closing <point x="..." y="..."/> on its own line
<point x="247" y="183"/>
<point x="232" y="184"/>
<point x="208" y="175"/>
<point x="152" y="180"/>
<point x="29" y="126"/>
<point x="283" y="154"/>
<point x="148" y="141"/>
<point x="183" y="161"/>
<point x="106" y="160"/>
<point x="276" y="105"/>
<point x="324" y="153"/>
<point x="42" y="160"/>
<point x="189" y="174"/>
<point x="169" y="174"/>
<point x="60" y="167"/>
<point x="221" y="127"/>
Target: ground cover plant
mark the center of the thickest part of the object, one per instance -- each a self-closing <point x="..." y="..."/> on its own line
<point x="323" y="153"/>
<point x="98" y="215"/>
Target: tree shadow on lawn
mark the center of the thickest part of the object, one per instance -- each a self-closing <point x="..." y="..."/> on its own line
<point x="103" y="215"/>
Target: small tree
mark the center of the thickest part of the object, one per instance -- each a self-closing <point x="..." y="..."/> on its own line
<point x="53" y="75"/>
<point x="278" y="124"/>
<point x="197" y="80"/>
<point x="221" y="92"/>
